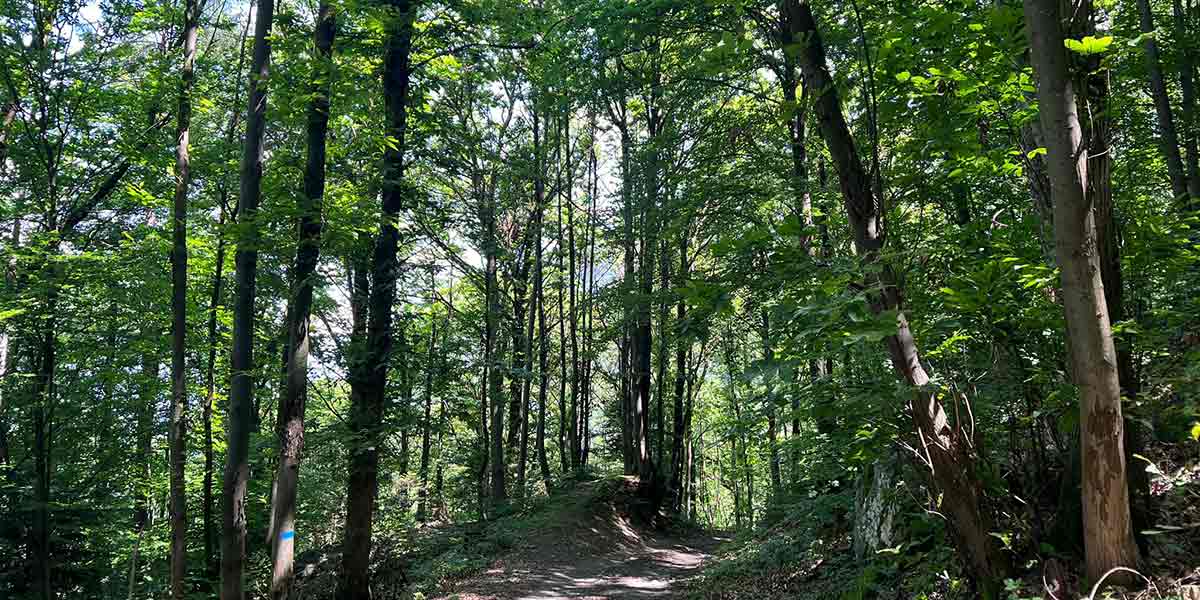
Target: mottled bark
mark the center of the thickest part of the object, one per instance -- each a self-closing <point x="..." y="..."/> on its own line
<point x="1108" y="534"/>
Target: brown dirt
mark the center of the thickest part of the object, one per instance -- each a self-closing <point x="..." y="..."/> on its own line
<point x="595" y="552"/>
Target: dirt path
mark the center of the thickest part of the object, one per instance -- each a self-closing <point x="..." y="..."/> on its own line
<point x="648" y="570"/>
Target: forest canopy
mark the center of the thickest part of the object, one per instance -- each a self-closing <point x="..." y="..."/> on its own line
<point x="369" y="299"/>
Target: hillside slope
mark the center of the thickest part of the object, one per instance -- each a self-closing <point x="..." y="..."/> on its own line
<point x="583" y="543"/>
<point x="589" y="547"/>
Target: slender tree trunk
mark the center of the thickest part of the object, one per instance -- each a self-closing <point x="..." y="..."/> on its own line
<point x="526" y="383"/>
<point x="589" y="314"/>
<point x="1168" y="139"/>
<point x="210" y="536"/>
<point x="564" y="444"/>
<point x="772" y="417"/>
<point x="290" y="424"/>
<point x="629" y="424"/>
<point x="660" y="374"/>
<point x="572" y="306"/>
<point x="679" y="459"/>
<point x="520" y="344"/>
<point x="804" y="212"/>
<point x="485" y="388"/>
<point x="241" y="401"/>
<point x="426" y="423"/>
<point x="539" y="280"/>
<point x="949" y="452"/>
<point x="404" y="351"/>
<point x="211" y="540"/>
<point x="439" y="504"/>
<point x="1108" y="534"/>
<point x="1187" y="86"/>
<point x="43" y="431"/>
<point x="368" y="404"/>
<point x="499" y="490"/>
<point x="1097" y="127"/>
<point x="647" y="471"/>
<point x="494" y="350"/>
<point x="143" y="453"/>
<point x="179" y="256"/>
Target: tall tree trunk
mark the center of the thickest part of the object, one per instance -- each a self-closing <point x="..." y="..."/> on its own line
<point x="43" y="431"/>
<point x="679" y="460"/>
<point x="8" y="343"/>
<point x="572" y="306"/>
<point x="290" y="423"/>
<point x="772" y="411"/>
<point x="426" y="422"/>
<point x="949" y="452"/>
<point x="241" y="401"/>
<point x="526" y="383"/>
<point x="211" y="540"/>
<point x="647" y="471"/>
<point x="1187" y="86"/>
<point x="589" y="314"/>
<point x="520" y="286"/>
<point x="179" y="256"/>
<point x="1168" y="139"/>
<point x="1108" y="534"/>
<point x="404" y="352"/>
<point x="143" y="453"/>
<point x="499" y="490"/>
<point x="367" y="405"/>
<point x="485" y="390"/>
<point x="539" y="280"/>
<point x="564" y="444"/>
<point x="210" y="536"/>
<point x="494" y="349"/>
<point x="1097" y="126"/>
<point x="803" y="210"/>
<point x="629" y="424"/>
<point x="660" y="371"/>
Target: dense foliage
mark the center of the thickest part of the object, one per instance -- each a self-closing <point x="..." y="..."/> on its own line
<point x="518" y="245"/>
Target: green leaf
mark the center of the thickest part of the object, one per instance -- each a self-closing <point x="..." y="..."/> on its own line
<point x="1196" y="432"/>
<point x="903" y="76"/>
<point x="1089" y="45"/>
<point x="1036" y="152"/>
<point x="8" y="314"/>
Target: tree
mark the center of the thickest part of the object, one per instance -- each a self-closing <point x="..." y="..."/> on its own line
<point x="241" y="387"/>
<point x="1108" y="533"/>
<point x="948" y="450"/>
<point x="179" y="256"/>
<point x="369" y="381"/>
<point x="290" y="423"/>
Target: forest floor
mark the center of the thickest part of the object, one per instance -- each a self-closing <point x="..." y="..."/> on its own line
<point x="654" y="570"/>
<point x="584" y="542"/>
<point x="591" y="548"/>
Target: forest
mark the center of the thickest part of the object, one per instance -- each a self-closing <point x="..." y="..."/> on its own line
<point x="629" y="299"/>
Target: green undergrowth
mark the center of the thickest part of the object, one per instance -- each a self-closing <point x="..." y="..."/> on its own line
<point x="804" y="551"/>
<point x="422" y="560"/>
